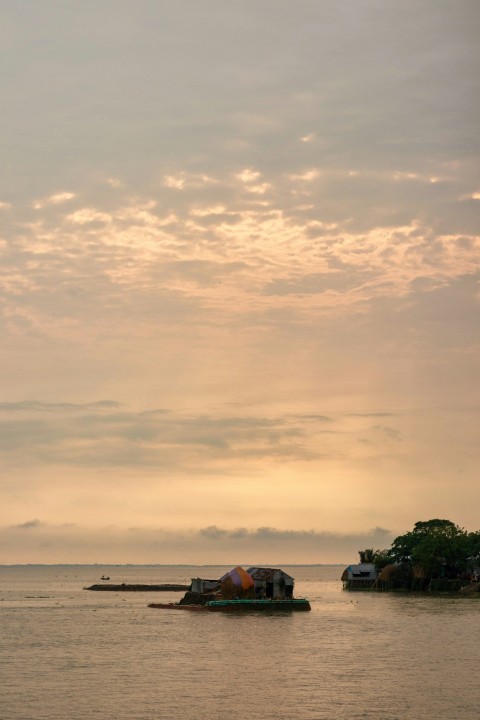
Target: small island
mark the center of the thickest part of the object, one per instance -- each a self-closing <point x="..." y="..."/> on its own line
<point x="436" y="556"/>
<point x="257" y="589"/>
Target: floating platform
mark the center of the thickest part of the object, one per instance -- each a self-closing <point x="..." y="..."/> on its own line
<point x="259" y="605"/>
<point x="176" y="606"/>
<point x="241" y="606"/>
<point x="139" y="588"/>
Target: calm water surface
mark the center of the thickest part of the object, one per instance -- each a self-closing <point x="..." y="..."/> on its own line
<point x="68" y="653"/>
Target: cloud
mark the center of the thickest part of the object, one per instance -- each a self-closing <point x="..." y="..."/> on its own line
<point x="209" y="210"/>
<point x="295" y="234"/>
<point x="85" y="216"/>
<point x="183" y="179"/>
<point x="67" y="542"/>
<point x="282" y="251"/>
<point x="115" y="182"/>
<point x="35" y="405"/>
<point x="203" y="273"/>
<point x="306" y="176"/>
<point x="315" y="283"/>
<point x="389" y="431"/>
<point x="259" y="189"/>
<point x="268" y="534"/>
<point x="177" y="183"/>
<point x="56" y="199"/>
<point x="29" y="525"/>
<point x="372" y="414"/>
<point x="248" y="175"/>
<point x="60" y="197"/>
<point x="213" y="532"/>
<point x="93" y="435"/>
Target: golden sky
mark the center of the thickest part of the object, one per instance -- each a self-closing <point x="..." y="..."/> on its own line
<point x="239" y="277"/>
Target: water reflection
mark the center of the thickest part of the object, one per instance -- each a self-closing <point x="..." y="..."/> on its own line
<point x="71" y="653"/>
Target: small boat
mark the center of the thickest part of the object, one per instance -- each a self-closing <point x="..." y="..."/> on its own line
<point x="104" y="577"/>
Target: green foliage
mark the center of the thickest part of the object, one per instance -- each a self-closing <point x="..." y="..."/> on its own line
<point x="379" y="558"/>
<point x="439" y="546"/>
<point x="433" y="549"/>
<point x="366" y="556"/>
<point x="473" y="544"/>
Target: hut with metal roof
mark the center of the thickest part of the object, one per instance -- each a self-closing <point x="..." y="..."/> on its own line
<point x="271" y="583"/>
<point x="359" y="577"/>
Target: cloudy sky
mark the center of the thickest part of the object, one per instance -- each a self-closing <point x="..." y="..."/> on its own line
<point x="239" y="277"/>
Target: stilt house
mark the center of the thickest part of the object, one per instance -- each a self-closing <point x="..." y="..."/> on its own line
<point x="359" y="577"/>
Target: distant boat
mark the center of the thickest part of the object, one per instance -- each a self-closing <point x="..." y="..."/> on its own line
<point x="104" y="577"/>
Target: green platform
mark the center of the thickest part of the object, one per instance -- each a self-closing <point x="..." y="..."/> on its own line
<point x="259" y="605"/>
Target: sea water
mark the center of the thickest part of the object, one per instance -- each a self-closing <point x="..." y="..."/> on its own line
<point x="68" y="653"/>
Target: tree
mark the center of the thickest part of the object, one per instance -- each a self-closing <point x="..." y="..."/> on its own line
<point x="379" y="558"/>
<point x="473" y="545"/>
<point x="366" y="556"/>
<point x="439" y="546"/>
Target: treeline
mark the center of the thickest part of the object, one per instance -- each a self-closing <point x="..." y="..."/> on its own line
<point x="433" y="549"/>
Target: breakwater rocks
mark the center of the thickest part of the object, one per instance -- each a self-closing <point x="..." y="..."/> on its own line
<point x="165" y="587"/>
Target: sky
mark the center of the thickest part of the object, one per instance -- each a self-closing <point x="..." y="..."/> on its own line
<point x="239" y="277"/>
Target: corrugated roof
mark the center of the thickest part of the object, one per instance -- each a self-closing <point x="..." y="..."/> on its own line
<point x="262" y="573"/>
<point x="362" y="571"/>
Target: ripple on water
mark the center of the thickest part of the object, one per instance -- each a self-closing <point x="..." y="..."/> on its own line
<point x="68" y="653"/>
